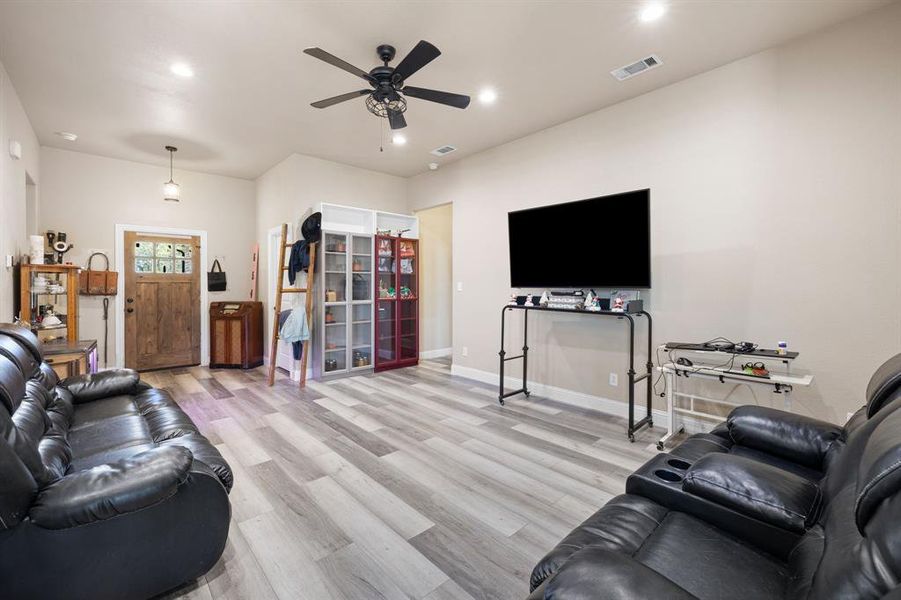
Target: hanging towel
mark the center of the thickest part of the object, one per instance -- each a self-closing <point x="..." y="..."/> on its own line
<point x="299" y="259"/>
<point x="293" y="328"/>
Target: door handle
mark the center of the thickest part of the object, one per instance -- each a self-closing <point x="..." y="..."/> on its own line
<point x="131" y="310"/>
<point x="129" y="300"/>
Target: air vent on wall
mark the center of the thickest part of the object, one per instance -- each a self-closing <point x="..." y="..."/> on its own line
<point x="443" y="150"/>
<point x="635" y="68"/>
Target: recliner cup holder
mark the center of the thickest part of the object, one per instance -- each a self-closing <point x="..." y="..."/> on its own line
<point x="678" y="464"/>
<point x="668" y="476"/>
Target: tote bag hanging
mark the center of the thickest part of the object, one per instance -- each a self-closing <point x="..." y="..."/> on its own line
<point x="98" y="283"/>
<point x="215" y="279"/>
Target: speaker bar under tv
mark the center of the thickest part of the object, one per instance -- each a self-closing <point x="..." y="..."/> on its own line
<point x="601" y="242"/>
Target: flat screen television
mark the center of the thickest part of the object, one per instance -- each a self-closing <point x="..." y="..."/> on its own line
<point x="597" y="243"/>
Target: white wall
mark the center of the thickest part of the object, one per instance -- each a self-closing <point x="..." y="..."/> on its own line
<point x="776" y="192"/>
<point x="14" y="125"/>
<point x="435" y="274"/>
<point x="87" y="195"/>
<point x="292" y="188"/>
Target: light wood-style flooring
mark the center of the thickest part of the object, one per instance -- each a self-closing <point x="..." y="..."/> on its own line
<point x="405" y="484"/>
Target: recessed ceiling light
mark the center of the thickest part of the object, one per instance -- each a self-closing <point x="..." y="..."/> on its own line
<point x="66" y="135"/>
<point x="399" y="140"/>
<point x="652" y="12"/>
<point x="182" y="70"/>
<point x="487" y="96"/>
<point x="433" y="166"/>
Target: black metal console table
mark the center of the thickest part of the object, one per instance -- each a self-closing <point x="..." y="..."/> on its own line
<point x="633" y="377"/>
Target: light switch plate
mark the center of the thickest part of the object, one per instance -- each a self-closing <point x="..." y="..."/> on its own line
<point x="9" y="261"/>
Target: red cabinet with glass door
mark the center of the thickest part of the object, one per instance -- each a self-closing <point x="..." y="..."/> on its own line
<point x="397" y="302"/>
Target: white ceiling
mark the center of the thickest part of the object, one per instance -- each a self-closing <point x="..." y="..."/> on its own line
<point x="101" y="70"/>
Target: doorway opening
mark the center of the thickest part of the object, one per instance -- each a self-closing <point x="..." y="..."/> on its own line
<point x="436" y="273"/>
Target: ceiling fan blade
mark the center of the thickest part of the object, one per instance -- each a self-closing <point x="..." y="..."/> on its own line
<point x="421" y="55"/>
<point x="341" y="64"/>
<point x="338" y="99"/>
<point x="396" y="119"/>
<point x="455" y="100"/>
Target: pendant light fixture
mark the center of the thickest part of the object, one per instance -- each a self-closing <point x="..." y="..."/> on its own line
<point x="170" y="188"/>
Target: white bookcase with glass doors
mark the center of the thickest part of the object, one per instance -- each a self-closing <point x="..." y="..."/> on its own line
<point x="343" y="308"/>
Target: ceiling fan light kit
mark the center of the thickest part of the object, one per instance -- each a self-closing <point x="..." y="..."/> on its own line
<point x="387" y="98"/>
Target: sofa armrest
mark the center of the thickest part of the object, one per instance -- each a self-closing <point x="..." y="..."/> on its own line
<point x="794" y="437"/>
<point x="756" y="489"/>
<point x="106" y="491"/>
<point x="94" y="386"/>
<point x="595" y="572"/>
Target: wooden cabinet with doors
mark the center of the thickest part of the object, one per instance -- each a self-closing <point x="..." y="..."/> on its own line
<point x="46" y="290"/>
<point x="162" y="301"/>
<point x="397" y="302"/>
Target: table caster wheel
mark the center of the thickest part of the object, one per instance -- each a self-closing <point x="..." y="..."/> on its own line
<point x="528" y="394"/>
<point x="501" y="400"/>
<point x="631" y="438"/>
<point x="660" y="446"/>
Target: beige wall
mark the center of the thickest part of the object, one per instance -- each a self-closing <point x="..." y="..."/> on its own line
<point x="87" y="196"/>
<point x="289" y="190"/>
<point x="775" y="207"/>
<point x="436" y="277"/>
<point x="14" y="125"/>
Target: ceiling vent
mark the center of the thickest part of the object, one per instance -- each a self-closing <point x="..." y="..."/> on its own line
<point x="443" y="150"/>
<point x="645" y="64"/>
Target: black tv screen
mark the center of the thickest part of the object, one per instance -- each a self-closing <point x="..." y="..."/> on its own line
<point x="597" y="243"/>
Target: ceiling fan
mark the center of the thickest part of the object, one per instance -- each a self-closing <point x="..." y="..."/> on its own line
<point x="387" y="99"/>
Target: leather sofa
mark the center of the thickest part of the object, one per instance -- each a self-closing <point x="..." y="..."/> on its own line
<point x="786" y="507"/>
<point x="107" y="488"/>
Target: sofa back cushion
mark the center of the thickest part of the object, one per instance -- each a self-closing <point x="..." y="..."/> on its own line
<point x="885" y="381"/>
<point x="25" y="337"/>
<point x="879" y="474"/>
<point x="855" y="551"/>
<point x="35" y="423"/>
<point x="19" y="355"/>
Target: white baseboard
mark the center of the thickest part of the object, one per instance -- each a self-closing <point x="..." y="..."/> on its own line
<point x="582" y="400"/>
<point x="439" y="353"/>
<point x="294" y="374"/>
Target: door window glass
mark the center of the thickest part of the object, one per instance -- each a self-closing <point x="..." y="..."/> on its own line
<point x="143" y="248"/>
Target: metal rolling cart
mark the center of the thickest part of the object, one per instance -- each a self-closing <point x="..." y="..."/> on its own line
<point x="780" y="383"/>
<point x="632" y="376"/>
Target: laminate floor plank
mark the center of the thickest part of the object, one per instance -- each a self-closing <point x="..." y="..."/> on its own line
<point x="410" y="570"/>
<point x="408" y="484"/>
<point x="238" y="574"/>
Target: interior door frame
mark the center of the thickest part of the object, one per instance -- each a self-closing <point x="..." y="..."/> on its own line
<point x="120" y="296"/>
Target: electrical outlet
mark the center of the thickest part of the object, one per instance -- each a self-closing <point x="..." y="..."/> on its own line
<point x="9" y="261"/>
<point x="614" y="379"/>
<point x="464" y="351"/>
<point x="459" y="286"/>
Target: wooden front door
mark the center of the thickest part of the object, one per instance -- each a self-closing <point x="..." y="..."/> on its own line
<point x="162" y="301"/>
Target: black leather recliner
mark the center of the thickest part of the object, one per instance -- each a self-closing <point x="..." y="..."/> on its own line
<point x="741" y="524"/>
<point x="789" y="441"/>
<point x="107" y="488"/>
